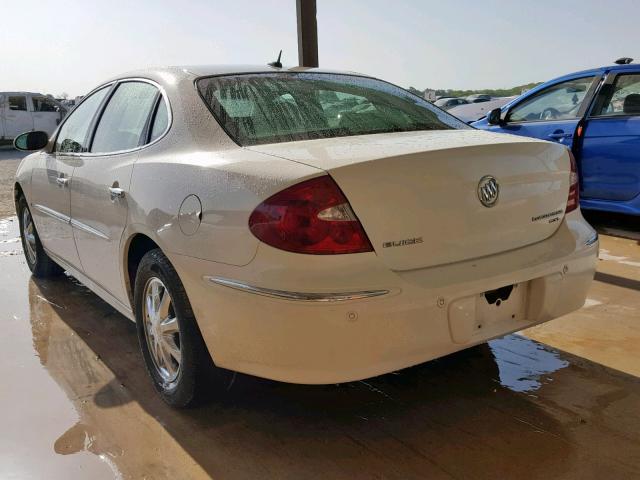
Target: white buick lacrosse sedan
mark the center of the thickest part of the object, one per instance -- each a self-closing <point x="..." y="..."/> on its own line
<point x="298" y="224"/>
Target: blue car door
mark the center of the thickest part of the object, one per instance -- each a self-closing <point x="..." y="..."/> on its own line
<point x="552" y="113"/>
<point x="610" y="153"/>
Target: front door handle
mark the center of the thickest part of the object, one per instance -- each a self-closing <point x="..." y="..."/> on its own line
<point x="62" y="182"/>
<point x="559" y="135"/>
<point x="116" y="192"/>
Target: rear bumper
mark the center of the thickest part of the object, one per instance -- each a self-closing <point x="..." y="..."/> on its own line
<point x="425" y="314"/>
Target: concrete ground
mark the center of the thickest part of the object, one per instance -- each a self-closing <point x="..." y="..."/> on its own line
<point x="560" y="400"/>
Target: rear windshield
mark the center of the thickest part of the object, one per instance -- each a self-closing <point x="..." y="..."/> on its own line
<point x="283" y="107"/>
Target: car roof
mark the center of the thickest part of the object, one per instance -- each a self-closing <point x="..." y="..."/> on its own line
<point x="595" y="71"/>
<point x="195" y="71"/>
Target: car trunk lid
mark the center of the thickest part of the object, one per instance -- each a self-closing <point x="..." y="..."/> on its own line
<point x="418" y="194"/>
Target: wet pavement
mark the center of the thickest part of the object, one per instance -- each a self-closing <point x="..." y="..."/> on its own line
<point x="76" y="401"/>
<point x="561" y="400"/>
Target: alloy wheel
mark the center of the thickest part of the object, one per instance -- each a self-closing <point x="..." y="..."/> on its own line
<point x="162" y="330"/>
<point x="29" y="235"/>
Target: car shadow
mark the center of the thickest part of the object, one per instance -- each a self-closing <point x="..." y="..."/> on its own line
<point x="615" y="224"/>
<point x="448" y="418"/>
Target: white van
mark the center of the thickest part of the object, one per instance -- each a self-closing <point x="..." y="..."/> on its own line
<point x="24" y="111"/>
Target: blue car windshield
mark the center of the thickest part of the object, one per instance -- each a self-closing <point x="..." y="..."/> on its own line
<point x="282" y="107"/>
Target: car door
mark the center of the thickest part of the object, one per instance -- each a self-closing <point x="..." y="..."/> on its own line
<point x="552" y="113"/>
<point x="17" y="117"/>
<point x="51" y="181"/>
<point x="100" y="186"/>
<point x="46" y="114"/>
<point x="609" y="157"/>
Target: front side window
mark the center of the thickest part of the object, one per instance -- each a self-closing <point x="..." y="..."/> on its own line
<point x="561" y="101"/>
<point x="123" y="121"/>
<point x="282" y="107"/>
<point x="623" y="98"/>
<point x="72" y="137"/>
<point x="18" y="103"/>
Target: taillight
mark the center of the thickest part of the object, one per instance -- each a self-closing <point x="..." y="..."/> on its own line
<point x="310" y="217"/>
<point x="574" y="189"/>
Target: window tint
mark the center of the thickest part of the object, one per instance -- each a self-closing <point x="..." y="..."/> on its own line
<point x="557" y="102"/>
<point x="160" y="121"/>
<point x="73" y="133"/>
<point x="283" y="107"/>
<point x="125" y="116"/>
<point x="623" y="98"/>
<point x="42" y="104"/>
<point x="18" y="103"/>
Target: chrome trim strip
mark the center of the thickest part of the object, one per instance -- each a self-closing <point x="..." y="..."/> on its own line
<point x="52" y="213"/>
<point x="70" y="221"/>
<point x="298" y="296"/>
<point x="592" y="240"/>
<point x="86" y="228"/>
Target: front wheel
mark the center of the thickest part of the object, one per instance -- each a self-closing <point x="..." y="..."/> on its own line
<point x="38" y="261"/>
<point x="174" y="352"/>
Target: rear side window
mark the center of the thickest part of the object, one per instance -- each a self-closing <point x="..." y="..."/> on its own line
<point x="72" y="137"/>
<point x="18" y="103"/>
<point x="160" y="121"/>
<point x="123" y="122"/>
<point x="283" y="107"/>
<point x="622" y="98"/>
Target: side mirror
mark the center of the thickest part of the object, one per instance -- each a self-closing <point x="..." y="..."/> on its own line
<point x="495" y="117"/>
<point x="31" y="141"/>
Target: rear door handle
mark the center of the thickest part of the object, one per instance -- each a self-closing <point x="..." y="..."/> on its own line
<point x="116" y="192"/>
<point x="62" y="181"/>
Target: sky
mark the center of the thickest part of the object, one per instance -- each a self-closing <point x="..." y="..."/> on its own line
<point x="73" y="45"/>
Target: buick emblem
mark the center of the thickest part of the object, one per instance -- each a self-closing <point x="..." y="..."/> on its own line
<point x="488" y="191"/>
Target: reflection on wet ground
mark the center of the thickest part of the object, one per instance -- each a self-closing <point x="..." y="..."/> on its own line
<point x="524" y="365"/>
<point x="76" y="403"/>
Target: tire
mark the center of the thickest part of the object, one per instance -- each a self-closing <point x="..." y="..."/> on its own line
<point x="38" y="261"/>
<point x="167" y="328"/>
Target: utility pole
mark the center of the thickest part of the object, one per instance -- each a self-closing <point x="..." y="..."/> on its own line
<point x="307" y="33"/>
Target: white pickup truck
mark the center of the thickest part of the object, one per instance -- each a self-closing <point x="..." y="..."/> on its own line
<point x="24" y="111"/>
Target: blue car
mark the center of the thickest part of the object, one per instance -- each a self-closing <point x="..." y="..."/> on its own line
<point x="596" y="113"/>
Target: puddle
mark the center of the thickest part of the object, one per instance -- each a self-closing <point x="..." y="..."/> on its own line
<point x="524" y="365"/>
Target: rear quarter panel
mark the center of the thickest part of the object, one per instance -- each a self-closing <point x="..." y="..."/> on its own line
<point x="229" y="185"/>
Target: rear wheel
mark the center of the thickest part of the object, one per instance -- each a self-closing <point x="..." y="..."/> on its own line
<point x="38" y="261"/>
<point x="174" y="352"/>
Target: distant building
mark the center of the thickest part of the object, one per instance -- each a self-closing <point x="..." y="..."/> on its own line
<point x="429" y="95"/>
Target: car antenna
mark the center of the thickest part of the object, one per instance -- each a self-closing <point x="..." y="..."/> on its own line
<point x="624" y="61"/>
<point x="277" y="63"/>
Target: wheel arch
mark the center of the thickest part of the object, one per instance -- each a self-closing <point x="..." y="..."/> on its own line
<point x="137" y="245"/>
<point x="17" y="193"/>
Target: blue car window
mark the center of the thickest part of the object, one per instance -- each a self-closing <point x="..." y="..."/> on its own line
<point x="558" y="102"/>
<point x="623" y="98"/>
